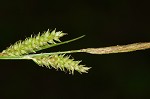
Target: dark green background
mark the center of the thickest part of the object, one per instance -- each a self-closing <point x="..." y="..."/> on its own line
<point x="104" y="22"/>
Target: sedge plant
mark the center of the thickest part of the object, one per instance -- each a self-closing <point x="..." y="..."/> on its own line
<point x="28" y="48"/>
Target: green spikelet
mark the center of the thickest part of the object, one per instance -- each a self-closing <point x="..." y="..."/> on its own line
<point x="33" y="44"/>
<point x="60" y="62"/>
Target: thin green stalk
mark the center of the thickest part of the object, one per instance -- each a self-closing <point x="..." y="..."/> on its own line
<point x="63" y="52"/>
<point x="12" y="57"/>
<point x="48" y="46"/>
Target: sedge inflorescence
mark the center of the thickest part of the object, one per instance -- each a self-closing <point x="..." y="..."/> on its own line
<point x="33" y="44"/>
<point x="43" y="41"/>
<point x="61" y="62"/>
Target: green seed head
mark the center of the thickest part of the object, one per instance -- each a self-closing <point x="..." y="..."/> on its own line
<point x="60" y="62"/>
<point x="33" y="44"/>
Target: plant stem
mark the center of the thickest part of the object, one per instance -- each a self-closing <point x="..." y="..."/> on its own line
<point x="63" y="52"/>
<point x="104" y="50"/>
<point x="12" y="57"/>
<point x="118" y="48"/>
